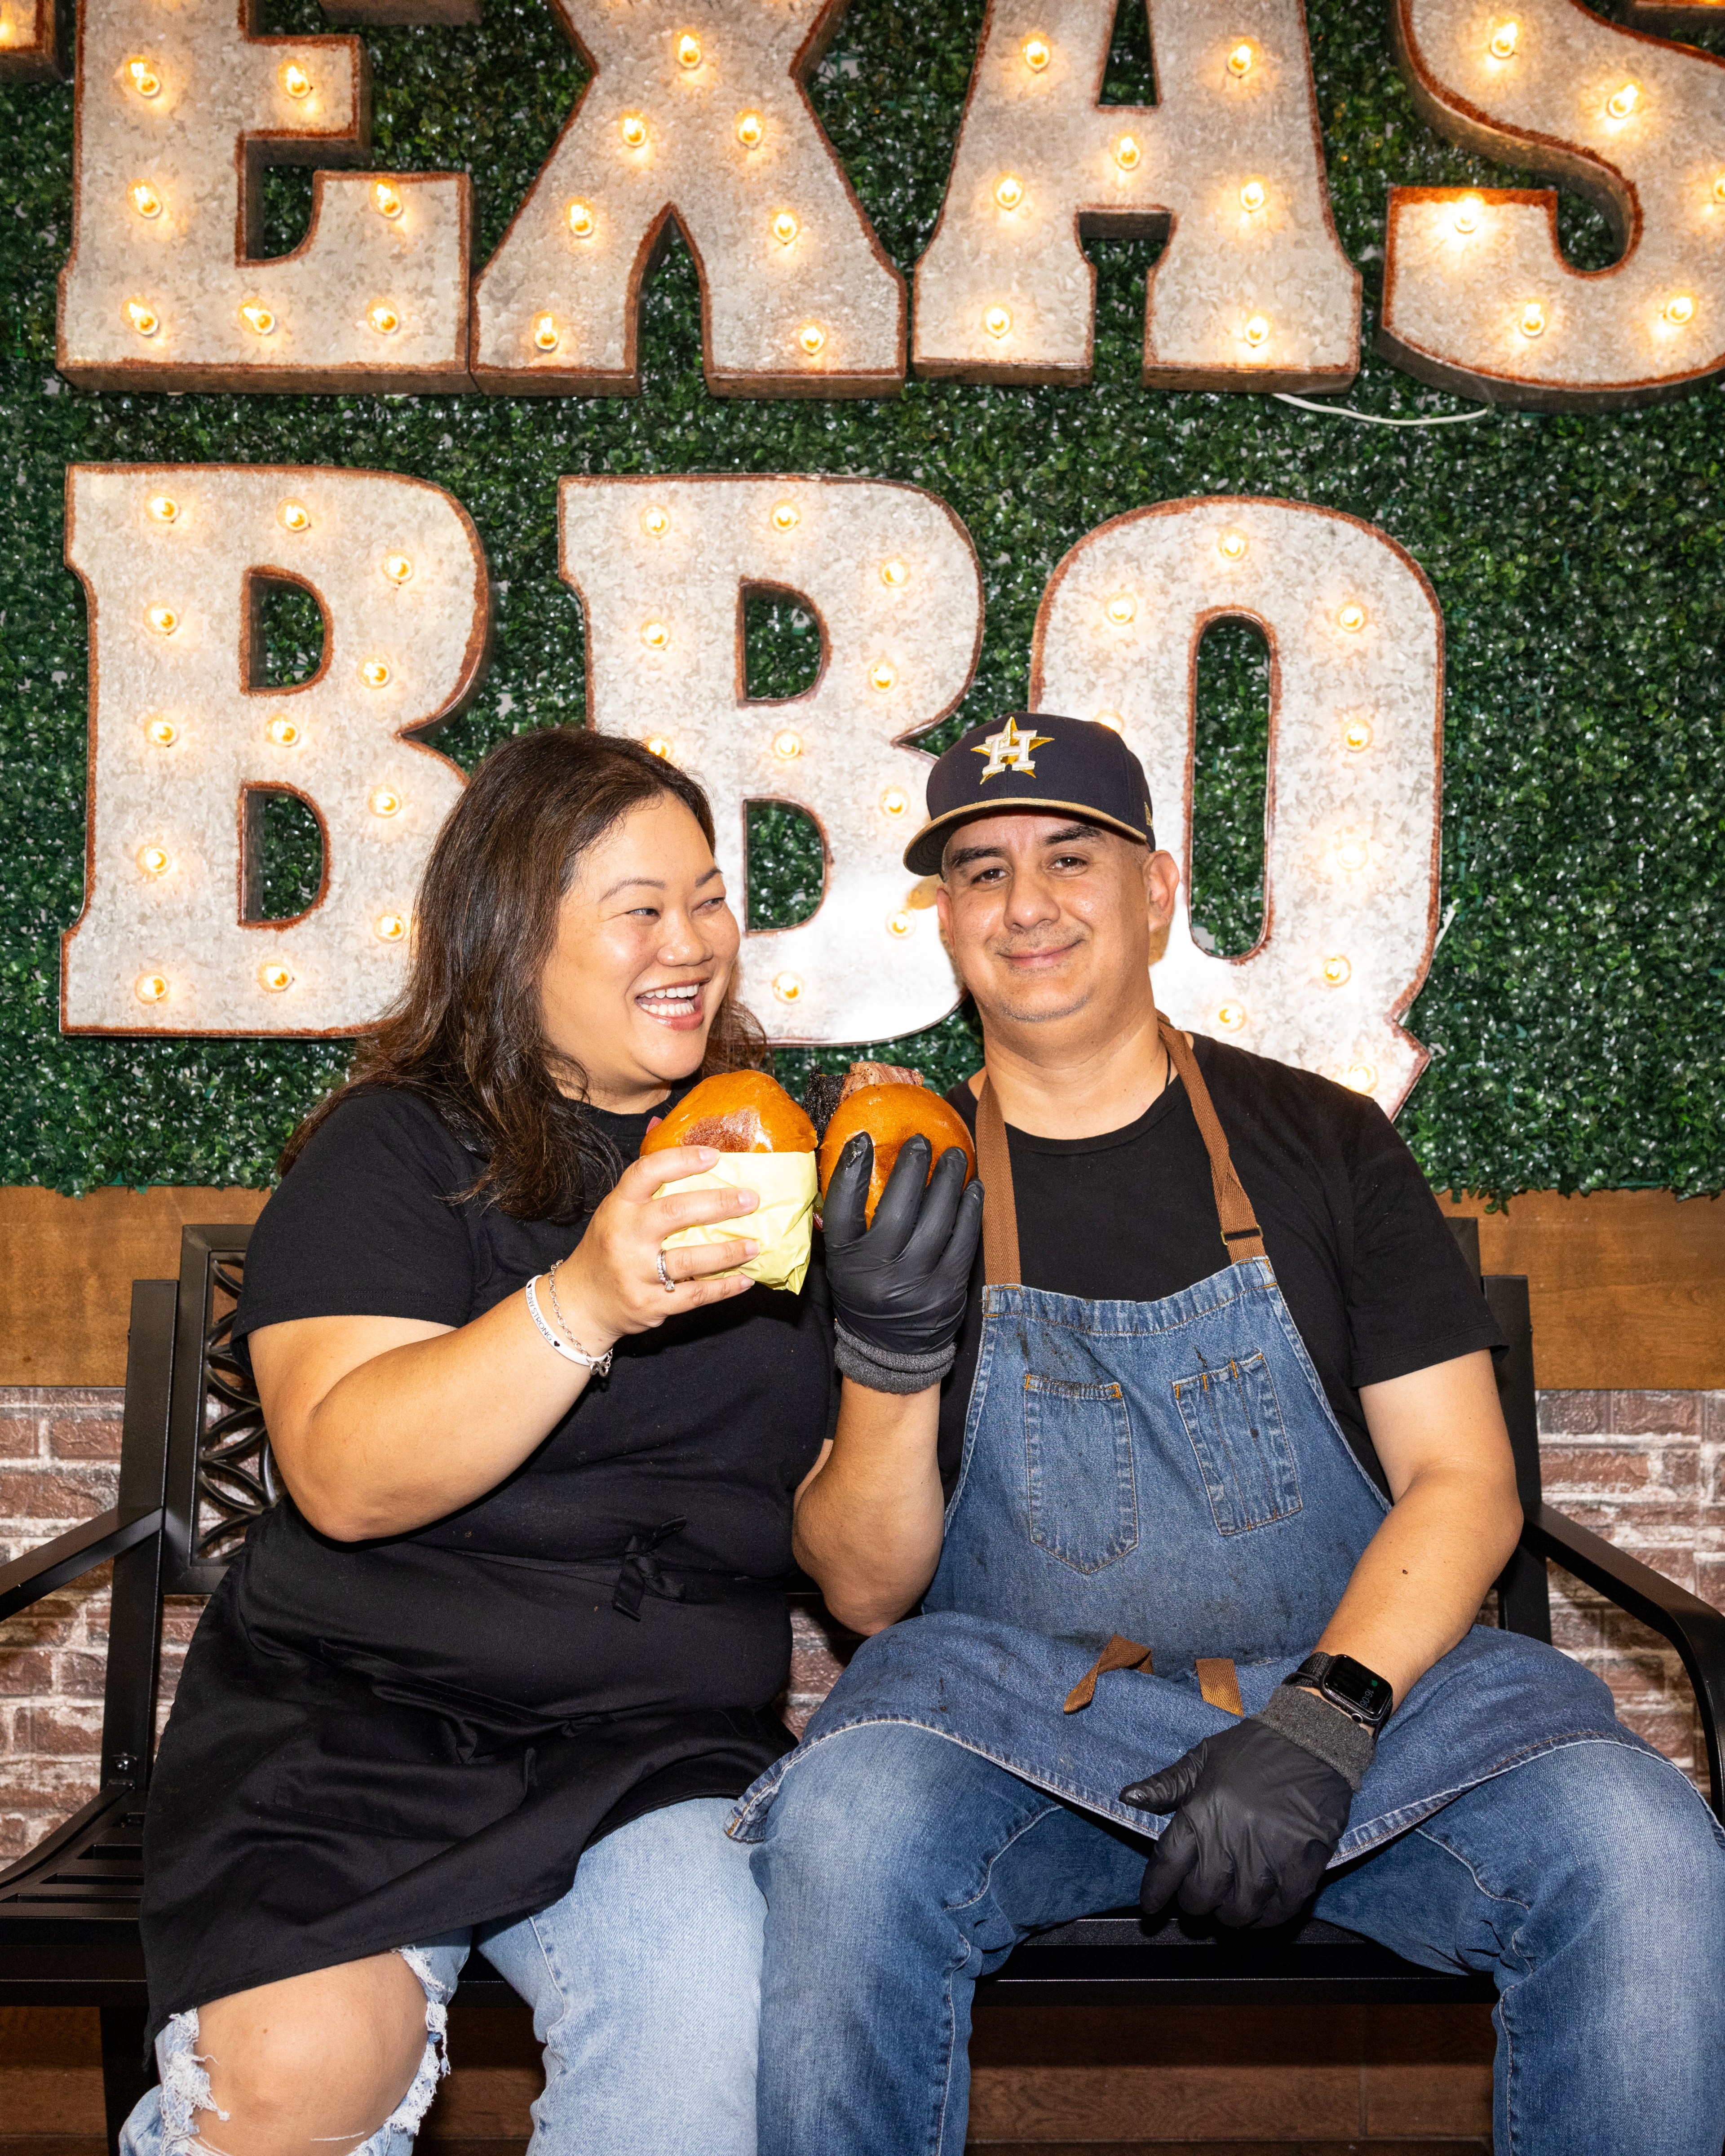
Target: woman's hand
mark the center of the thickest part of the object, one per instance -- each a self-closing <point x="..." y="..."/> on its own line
<point x="609" y="1285"/>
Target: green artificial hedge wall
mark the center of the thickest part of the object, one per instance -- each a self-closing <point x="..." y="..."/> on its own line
<point x="1574" y="1007"/>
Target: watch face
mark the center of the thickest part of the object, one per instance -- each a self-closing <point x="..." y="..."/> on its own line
<point x="1352" y="1682"/>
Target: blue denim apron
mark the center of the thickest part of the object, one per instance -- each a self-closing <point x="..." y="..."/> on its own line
<point x="1168" y="1473"/>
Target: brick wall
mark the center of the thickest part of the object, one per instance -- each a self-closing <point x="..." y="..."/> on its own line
<point x="1643" y="1469"/>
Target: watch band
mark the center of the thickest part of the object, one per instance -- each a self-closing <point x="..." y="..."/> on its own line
<point x="1348" y="1686"/>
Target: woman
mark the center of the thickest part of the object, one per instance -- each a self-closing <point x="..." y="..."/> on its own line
<point x="521" y="1603"/>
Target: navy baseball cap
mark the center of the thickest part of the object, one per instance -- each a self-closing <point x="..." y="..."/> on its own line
<point x="1033" y="760"/>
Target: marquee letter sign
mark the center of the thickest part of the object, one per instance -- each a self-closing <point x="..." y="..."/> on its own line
<point x="1351" y="819"/>
<point x="29" y="40"/>
<point x="178" y="111"/>
<point x="662" y="567"/>
<point x="698" y="116"/>
<point x="1476" y="296"/>
<point x="183" y="743"/>
<point x="1253" y="291"/>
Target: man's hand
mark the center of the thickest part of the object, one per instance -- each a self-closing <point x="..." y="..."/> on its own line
<point x="900" y="1285"/>
<point x="1256" y="1820"/>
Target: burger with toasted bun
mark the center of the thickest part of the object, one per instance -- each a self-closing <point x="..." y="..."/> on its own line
<point x="767" y="1145"/>
<point x="890" y="1114"/>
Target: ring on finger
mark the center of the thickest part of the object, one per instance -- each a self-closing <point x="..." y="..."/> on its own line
<point x="664" y="1279"/>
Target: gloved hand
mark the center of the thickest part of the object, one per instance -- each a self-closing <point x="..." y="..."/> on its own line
<point x="1256" y="1820"/>
<point x="899" y="1286"/>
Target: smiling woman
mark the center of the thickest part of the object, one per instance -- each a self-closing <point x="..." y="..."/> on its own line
<point x="488" y="1673"/>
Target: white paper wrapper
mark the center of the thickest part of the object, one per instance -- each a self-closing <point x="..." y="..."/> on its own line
<point x="786" y="1184"/>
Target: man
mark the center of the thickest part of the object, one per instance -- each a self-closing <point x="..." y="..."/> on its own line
<point x="1228" y="1483"/>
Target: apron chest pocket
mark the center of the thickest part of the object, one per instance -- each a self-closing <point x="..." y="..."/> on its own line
<point x="1078" y="1453"/>
<point x="1234" y="1419"/>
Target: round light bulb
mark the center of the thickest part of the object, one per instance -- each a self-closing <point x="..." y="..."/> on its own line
<point x="1253" y="196"/>
<point x="163" y="620"/>
<point x="899" y="923"/>
<point x="750" y="130"/>
<point x="284" y="732"/>
<point x="1352" y="618"/>
<point x="375" y="674"/>
<point x="398" y="568"/>
<point x="883" y="675"/>
<point x="659" y="745"/>
<point x="581" y="219"/>
<point x="545" y="334"/>
<point x="1468" y="214"/>
<point x="655" y="522"/>
<point x="144" y="200"/>
<point x="294" y="517"/>
<point x="389" y="928"/>
<point x="894" y="802"/>
<point x="788" y="745"/>
<point x="894" y="573"/>
<point x="688" y="50"/>
<point x="258" y="319"/>
<point x="1352" y="855"/>
<point x="1008" y="190"/>
<point x="384" y="320"/>
<point x="274" y="977"/>
<point x="150" y="988"/>
<point x="1239" y="60"/>
<point x="295" y="81"/>
<point x="788" y="987"/>
<point x="1501" y="45"/>
<point x="161" y="733"/>
<point x="1128" y="153"/>
<point x="1121" y="609"/>
<point x="633" y="129"/>
<point x="1362" y="1077"/>
<point x="655" y="636"/>
<point x="784" y="228"/>
<point x="1680" y="309"/>
<point x="1230" y="1017"/>
<point x="154" y="860"/>
<point x="387" y="199"/>
<point x="1232" y="546"/>
<point x="144" y="319"/>
<point x="1113" y="720"/>
<point x="1257" y="331"/>
<point x="1719" y="189"/>
<point x="1357" y="735"/>
<point x="1622" y="102"/>
<point x="786" y="516"/>
<point x="144" y="78"/>
<point x="812" y="339"/>
<point x="997" y="321"/>
<point x="1337" y="971"/>
<point x="1531" y="321"/>
<point x="163" y="508"/>
<point x="383" y="801"/>
<point x="1037" y="54"/>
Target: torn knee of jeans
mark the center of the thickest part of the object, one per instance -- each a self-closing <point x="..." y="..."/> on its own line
<point x="434" y="2062"/>
<point x="184" y="2084"/>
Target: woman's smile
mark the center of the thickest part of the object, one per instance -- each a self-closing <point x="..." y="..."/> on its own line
<point x="679" y="1005"/>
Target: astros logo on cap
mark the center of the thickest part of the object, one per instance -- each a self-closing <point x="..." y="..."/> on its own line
<point x="1010" y="750"/>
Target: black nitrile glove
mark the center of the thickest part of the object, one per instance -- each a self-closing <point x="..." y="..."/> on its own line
<point x="899" y="1286"/>
<point x="1256" y="1820"/>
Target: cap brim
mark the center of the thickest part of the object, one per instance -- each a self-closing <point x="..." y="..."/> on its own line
<point x="922" y="856"/>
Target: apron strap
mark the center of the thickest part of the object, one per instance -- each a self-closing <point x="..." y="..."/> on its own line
<point x="1000" y="1215"/>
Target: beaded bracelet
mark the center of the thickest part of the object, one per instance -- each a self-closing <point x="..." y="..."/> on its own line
<point x="571" y="1350"/>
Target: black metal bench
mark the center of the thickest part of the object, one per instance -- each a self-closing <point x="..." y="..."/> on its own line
<point x="195" y="1470"/>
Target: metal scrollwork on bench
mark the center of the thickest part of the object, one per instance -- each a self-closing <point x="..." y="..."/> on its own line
<point x="237" y="1481"/>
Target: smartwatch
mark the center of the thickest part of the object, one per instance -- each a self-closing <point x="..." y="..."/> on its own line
<point x="1362" y="1694"/>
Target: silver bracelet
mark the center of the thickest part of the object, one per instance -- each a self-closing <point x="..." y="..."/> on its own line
<point x="571" y="1350"/>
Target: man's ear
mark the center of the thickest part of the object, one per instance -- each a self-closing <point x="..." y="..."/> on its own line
<point x="1161" y="887"/>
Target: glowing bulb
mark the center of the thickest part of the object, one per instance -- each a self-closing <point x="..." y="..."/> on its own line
<point x="1232" y="546"/>
<point x="812" y="338"/>
<point x="581" y="220"/>
<point x="655" y="522"/>
<point x="398" y="568"/>
<point x="150" y="988"/>
<point x="1239" y="60"/>
<point x="1121" y="609"/>
<point x="1679" y="309"/>
<point x="389" y="928"/>
<point x="883" y="675"/>
<point x="387" y="200"/>
<point x="144" y="200"/>
<point x="1257" y="331"/>
<point x="784" y="228"/>
<point x="654" y="635"/>
<point x="899" y="923"/>
<point x="145" y="80"/>
<point x="788" y="745"/>
<point x="545" y="334"/>
<point x="1336" y="971"/>
<point x="997" y="321"/>
<point x="295" y="81"/>
<point x="1127" y="153"/>
<point x="284" y="732"/>
<point x="144" y="319"/>
<point x="1008" y="190"/>
<point x="1362" y="1077"/>
<point x="1352" y="618"/>
<point x="1253" y="196"/>
<point x="751" y="129"/>
<point x="163" y="508"/>
<point x="633" y="129"/>
<point x="258" y="319"/>
<point x="163" y="620"/>
<point x="658" y="745"/>
<point x="274" y="977"/>
<point x="1719" y="189"/>
<point x="161" y="733"/>
<point x="1468" y="214"/>
<point x="1531" y="322"/>
<point x="1038" y="52"/>
<point x="788" y="987"/>
<point x="294" y="517"/>
<point x="1113" y="720"/>
<point x="1357" y="735"/>
<point x="383" y="801"/>
<point x="154" y="860"/>
<point x="786" y="516"/>
<point x="688" y="50"/>
<point x="384" y="320"/>
<point x="1352" y="855"/>
<point x="1622" y="102"/>
<point x="1230" y="1017"/>
<point x="894" y="574"/>
<point x="1501" y="45"/>
<point x="894" y="802"/>
<point x="375" y="674"/>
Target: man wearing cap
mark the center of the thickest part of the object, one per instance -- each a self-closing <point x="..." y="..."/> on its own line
<point x="1225" y="1482"/>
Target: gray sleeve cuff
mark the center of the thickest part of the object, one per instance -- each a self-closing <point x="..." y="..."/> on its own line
<point x="883" y="1370"/>
<point x="1309" y="1721"/>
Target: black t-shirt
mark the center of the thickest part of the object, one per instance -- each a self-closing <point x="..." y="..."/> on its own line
<point x="1366" y="1262"/>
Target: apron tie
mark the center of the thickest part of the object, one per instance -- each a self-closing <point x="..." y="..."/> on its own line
<point x="1218" y="1680"/>
<point x="640" y="1572"/>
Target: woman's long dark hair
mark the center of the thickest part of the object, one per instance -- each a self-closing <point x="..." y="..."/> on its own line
<point x="467" y="1033"/>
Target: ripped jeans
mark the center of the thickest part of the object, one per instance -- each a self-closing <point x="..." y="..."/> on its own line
<point x="645" y="1983"/>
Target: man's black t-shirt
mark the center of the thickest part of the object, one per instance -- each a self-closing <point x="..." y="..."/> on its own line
<point x="1366" y="1261"/>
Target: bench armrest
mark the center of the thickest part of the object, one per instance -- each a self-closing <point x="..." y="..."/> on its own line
<point x="1694" y="1627"/>
<point x="80" y="1549"/>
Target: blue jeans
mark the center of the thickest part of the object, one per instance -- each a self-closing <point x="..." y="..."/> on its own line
<point x="899" y="1868"/>
<point x="645" y="1983"/>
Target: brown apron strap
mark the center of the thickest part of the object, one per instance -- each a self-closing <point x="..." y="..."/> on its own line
<point x="1241" y="1235"/>
<point x="1000" y="1216"/>
<point x="1218" y="1682"/>
<point x="1120" y="1654"/>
